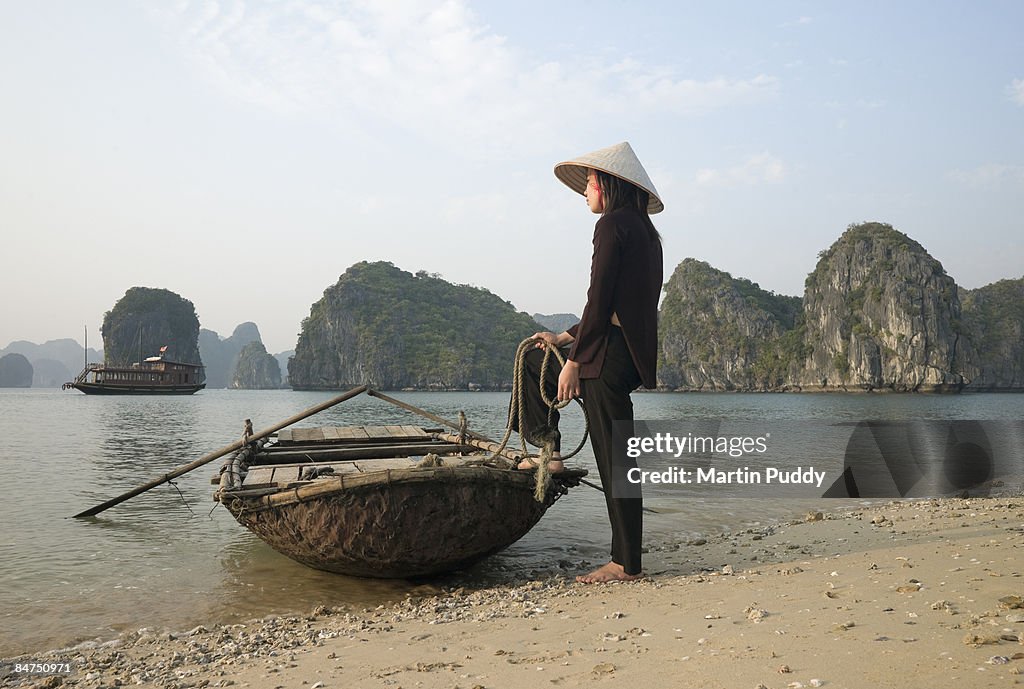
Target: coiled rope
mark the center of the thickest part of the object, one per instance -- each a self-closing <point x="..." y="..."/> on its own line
<point x="518" y="403"/>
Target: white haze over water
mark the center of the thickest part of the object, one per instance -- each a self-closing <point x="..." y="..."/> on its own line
<point x="245" y="154"/>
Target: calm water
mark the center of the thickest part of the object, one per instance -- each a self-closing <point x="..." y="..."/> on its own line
<point x="168" y="559"/>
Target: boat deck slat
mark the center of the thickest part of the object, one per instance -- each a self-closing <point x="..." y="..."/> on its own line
<point x="352" y="433"/>
<point x="308" y="435"/>
<point x="378" y="432"/>
<point x="341" y="434"/>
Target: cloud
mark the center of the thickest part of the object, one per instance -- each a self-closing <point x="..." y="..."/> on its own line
<point x="990" y="176"/>
<point x="763" y="168"/>
<point x="800" y="21"/>
<point x="651" y="91"/>
<point x="1015" y="90"/>
<point x="432" y="69"/>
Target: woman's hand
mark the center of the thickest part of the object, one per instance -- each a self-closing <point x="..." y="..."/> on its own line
<point x="546" y="338"/>
<point x="569" y="381"/>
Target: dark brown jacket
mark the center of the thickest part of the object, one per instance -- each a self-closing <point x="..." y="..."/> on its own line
<point x="625" y="278"/>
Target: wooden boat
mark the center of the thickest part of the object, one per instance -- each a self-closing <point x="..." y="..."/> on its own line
<point x="152" y="376"/>
<point x="383" y="501"/>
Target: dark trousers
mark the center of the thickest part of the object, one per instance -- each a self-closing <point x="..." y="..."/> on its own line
<point x="606" y="400"/>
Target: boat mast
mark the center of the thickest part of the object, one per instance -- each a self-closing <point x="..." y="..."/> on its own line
<point x="86" y="328"/>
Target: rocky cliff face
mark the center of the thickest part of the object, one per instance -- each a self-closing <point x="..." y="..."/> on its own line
<point x="993" y="318"/>
<point x="220" y="355"/>
<point x="878" y="314"/>
<point x="146" y="319"/>
<point x="881" y="313"/>
<point x="722" y="333"/>
<point x="256" y="369"/>
<point x="15" y="371"/>
<point x="392" y="329"/>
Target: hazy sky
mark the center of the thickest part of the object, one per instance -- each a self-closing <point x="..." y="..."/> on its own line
<point x="245" y="154"/>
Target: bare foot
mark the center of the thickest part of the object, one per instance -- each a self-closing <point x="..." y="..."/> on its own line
<point x="612" y="571"/>
<point x="555" y="465"/>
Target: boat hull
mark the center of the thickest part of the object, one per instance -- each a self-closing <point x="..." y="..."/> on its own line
<point x="108" y="389"/>
<point x="396" y="523"/>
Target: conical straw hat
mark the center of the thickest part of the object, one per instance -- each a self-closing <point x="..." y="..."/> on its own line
<point x="618" y="160"/>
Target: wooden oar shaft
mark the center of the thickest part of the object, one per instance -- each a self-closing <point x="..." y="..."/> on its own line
<point x="424" y="413"/>
<point x="206" y="459"/>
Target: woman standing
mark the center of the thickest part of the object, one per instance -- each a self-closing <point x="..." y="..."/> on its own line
<point x="613" y="349"/>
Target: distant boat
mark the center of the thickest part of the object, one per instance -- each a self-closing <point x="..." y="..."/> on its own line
<point x="152" y="376"/>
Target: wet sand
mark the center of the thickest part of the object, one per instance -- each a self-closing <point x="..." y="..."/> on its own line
<point x="909" y="594"/>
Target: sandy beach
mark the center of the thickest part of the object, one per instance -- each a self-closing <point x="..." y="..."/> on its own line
<point x="908" y="594"/>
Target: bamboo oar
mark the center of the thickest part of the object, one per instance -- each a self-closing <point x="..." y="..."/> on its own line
<point x="206" y="459"/>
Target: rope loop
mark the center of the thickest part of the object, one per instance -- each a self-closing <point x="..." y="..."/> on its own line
<point x="518" y="403"/>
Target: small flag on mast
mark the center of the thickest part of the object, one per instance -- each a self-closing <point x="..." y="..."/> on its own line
<point x="163" y="349"/>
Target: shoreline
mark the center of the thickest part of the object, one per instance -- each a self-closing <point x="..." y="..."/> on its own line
<point x="903" y="594"/>
<point x="852" y="389"/>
